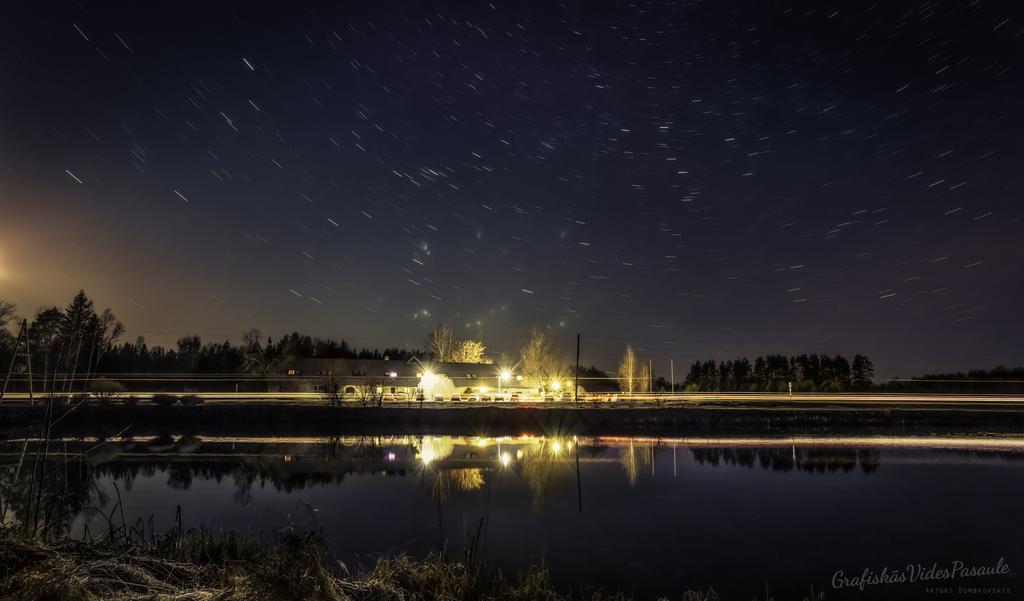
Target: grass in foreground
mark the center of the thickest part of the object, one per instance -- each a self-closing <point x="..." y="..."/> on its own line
<point x="197" y="566"/>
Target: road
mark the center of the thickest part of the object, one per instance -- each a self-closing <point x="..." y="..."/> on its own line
<point x="873" y="400"/>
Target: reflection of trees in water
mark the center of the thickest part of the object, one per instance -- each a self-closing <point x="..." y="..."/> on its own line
<point x="434" y="448"/>
<point x="1001" y="454"/>
<point x="540" y="465"/>
<point x="636" y="459"/>
<point x="72" y="486"/>
<point x="453" y="466"/>
<point x="785" y="459"/>
<point x="47" y="495"/>
<point x="447" y="482"/>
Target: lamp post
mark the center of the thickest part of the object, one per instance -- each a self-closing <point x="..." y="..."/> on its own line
<point x="503" y="375"/>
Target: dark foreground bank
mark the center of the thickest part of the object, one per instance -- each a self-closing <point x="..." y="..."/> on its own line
<point x="196" y="566"/>
<point x="269" y="419"/>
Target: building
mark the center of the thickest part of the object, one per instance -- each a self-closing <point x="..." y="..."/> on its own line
<point x="401" y="380"/>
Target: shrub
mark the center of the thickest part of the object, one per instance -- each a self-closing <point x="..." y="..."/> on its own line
<point x="106" y="390"/>
<point x="191" y="400"/>
<point x="165" y="400"/>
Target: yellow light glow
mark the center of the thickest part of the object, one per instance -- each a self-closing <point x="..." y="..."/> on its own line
<point x="427" y="456"/>
<point x="506" y="459"/>
<point x="484" y="389"/>
<point x="556" y="385"/>
<point x="505" y="374"/>
<point x="556" y="447"/>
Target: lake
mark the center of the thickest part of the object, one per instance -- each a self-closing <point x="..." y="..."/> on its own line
<point x="654" y="516"/>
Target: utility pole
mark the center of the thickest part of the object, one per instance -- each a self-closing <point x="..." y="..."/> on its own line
<point x="576" y="393"/>
<point x="672" y="375"/>
<point x="22" y="333"/>
<point x="650" y="375"/>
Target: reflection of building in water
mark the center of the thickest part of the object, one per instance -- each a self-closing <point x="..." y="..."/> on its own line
<point x="448" y="464"/>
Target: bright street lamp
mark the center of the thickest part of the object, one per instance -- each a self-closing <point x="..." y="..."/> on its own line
<point x="502" y="376"/>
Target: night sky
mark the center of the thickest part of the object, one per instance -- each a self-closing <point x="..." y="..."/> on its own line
<point x="700" y="179"/>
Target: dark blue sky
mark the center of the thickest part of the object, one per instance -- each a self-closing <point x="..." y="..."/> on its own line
<point x="697" y="179"/>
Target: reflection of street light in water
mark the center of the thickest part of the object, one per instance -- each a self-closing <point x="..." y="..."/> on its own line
<point x="427" y="456"/>
<point x="505" y="459"/>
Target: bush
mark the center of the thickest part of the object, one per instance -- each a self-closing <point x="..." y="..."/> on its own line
<point x="106" y="390"/>
<point x="165" y="400"/>
<point x="78" y="398"/>
<point x="191" y="400"/>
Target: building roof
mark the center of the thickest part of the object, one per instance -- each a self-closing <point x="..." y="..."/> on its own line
<point x="380" y="368"/>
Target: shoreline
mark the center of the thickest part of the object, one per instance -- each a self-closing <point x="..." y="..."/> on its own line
<point x="201" y="565"/>
<point x="770" y="420"/>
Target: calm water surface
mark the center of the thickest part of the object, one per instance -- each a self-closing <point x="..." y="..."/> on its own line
<point x="655" y="516"/>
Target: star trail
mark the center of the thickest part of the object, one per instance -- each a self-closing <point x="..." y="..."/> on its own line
<point x="698" y="179"/>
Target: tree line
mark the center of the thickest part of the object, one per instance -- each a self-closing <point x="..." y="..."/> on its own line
<point x="65" y="345"/>
<point x="771" y="373"/>
<point x="1000" y="379"/>
<point x="776" y="373"/>
<point x="77" y="342"/>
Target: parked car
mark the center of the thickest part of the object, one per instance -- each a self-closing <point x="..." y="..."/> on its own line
<point x="456" y="398"/>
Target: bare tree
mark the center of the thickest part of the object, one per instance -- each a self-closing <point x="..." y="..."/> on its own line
<point x="255" y="360"/>
<point x="331" y="390"/>
<point x="538" y="359"/>
<point x="371" y="392"/>
<point x="644" y="380"/>
<point x="629" y="375"/>
<point x="106" y="329"/>
<point x="469" y="351"/>
<point x="441" y="343"/>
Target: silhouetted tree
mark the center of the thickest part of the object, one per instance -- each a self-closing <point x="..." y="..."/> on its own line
<point x="862" y="371"/>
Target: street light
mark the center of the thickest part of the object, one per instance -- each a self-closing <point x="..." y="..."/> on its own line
<point x="503" y="375"/>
